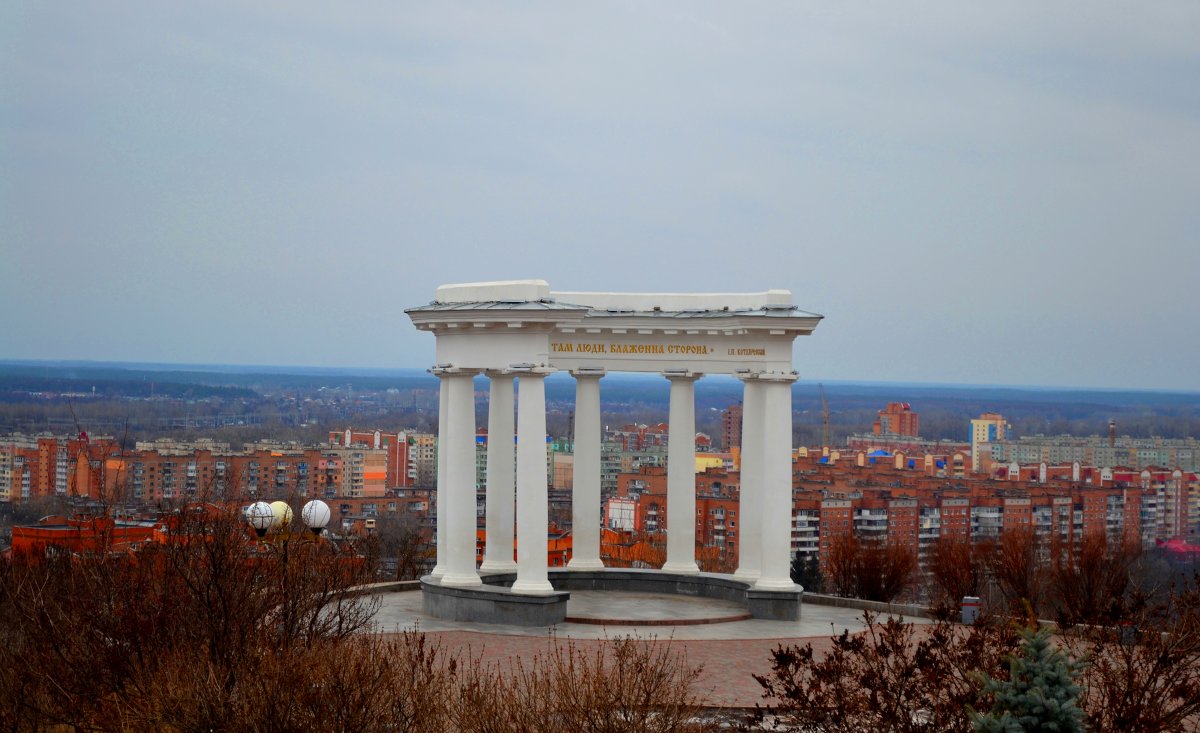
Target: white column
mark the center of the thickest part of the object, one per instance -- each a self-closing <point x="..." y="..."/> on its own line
<point x="777" y="483"/>
<point x="585" y="487"/>
<point x="681" y="475"/>
<point x="460" y="477"/>
<point x="749" y="524"/>
<point x="501" y="474"/>
<point x="439" y="567"/>
<point x="533" y="516"/>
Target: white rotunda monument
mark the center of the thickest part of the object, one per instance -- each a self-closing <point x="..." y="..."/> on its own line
<point x="519" y="332"/>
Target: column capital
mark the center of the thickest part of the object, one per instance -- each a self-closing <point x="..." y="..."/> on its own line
<point x="495" y="372"/>
<point x="449" y="370"/>
<point x="530" y="370"/>
<point x="688" y="374"/>
<point x="747" y="375"/>
<point x="584" y="372"/>
<point x="784" y="377"/>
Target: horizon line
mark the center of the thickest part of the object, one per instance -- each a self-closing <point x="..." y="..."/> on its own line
<point x="301" y="370"/>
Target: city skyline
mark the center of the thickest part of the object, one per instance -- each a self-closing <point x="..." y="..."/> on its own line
<point x="969" y="195"/>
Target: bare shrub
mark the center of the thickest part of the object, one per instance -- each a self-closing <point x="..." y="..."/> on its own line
<point x="363" y="683"/>
<point x="91" y="631"/>
<point x="624" y="685"/>
<point x="214" y="630"/>
<point x="1143" y="673"/>
<point x="896" y="676"/>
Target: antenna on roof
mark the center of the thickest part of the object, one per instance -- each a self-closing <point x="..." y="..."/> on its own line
<point x="825" y="440"/>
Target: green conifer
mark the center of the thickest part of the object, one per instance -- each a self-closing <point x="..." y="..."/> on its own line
<point x="1040" y="693"/>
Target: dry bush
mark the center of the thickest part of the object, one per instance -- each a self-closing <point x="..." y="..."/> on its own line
<point x="624" y="685"/>
<point x="363" y="683"/>
<point x="1143" y="673"/>
<point x="212" y="631"/>
<point x="90" y="632"/>
<point x="896" y="676"/>
<point x="1140" y="673"/>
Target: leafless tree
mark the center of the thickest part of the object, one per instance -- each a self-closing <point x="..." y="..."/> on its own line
<point x="875" y="570"/>
<point x="1089" y="580"/>
<point x="402" y="542"/>
<point x="956" y="569"/>
<point x="1018" y="572"/>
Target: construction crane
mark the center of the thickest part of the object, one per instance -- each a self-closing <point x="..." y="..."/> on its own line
<point x="824" y="417"/>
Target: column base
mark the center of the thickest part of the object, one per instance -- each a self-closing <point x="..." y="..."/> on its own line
<point x="531" y="587"/>
<point x="461" y="580"/>
<point x="776" y="584"/>
<point x="498" y="566"/>
<point x="437" y="572"/>
<point x="577" y="563"/>
<point x="746" y="576"/>
<point x="681" y="568"/>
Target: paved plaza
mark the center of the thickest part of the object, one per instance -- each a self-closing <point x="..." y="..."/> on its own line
<point x="730" y="653"/>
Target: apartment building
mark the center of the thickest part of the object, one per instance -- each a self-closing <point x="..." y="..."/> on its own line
<point x="33" y="466"/>
<point x="1095" y="450"/>
<point x="400" y="470"/>
<point x="640" y="506"/>
<point x="898" y="418"/>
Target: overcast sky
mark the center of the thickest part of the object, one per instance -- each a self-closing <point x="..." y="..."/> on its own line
<point x="1003" y="193"/>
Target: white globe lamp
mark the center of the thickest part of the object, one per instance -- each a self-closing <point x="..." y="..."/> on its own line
<point x="315" y="515"/>
<point x="260" y="517"/>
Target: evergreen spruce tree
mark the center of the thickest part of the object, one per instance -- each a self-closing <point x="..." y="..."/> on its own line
<point x="807" y="572"/>
<point x="1040" y="693"/>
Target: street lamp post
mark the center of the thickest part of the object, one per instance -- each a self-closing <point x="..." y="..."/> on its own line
<point x="277" y="518"/>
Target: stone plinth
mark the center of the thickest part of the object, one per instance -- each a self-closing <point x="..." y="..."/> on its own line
<point x="495" y="603"/>
<point x="492" y="604"/>
<point x="775" y="605"/>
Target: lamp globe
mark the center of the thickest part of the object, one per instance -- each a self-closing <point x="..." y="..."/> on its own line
<point x="315" y="515"/>
<point x="260" y="517"/>
<point x="281" y="514"/>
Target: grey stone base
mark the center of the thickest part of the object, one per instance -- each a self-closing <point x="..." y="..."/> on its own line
<point x="635" y="580"/>
<point x="494" y="603"/>
<point x="775" y="605"/>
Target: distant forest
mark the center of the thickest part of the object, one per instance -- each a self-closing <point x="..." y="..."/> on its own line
<point x="140" y="402"/>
